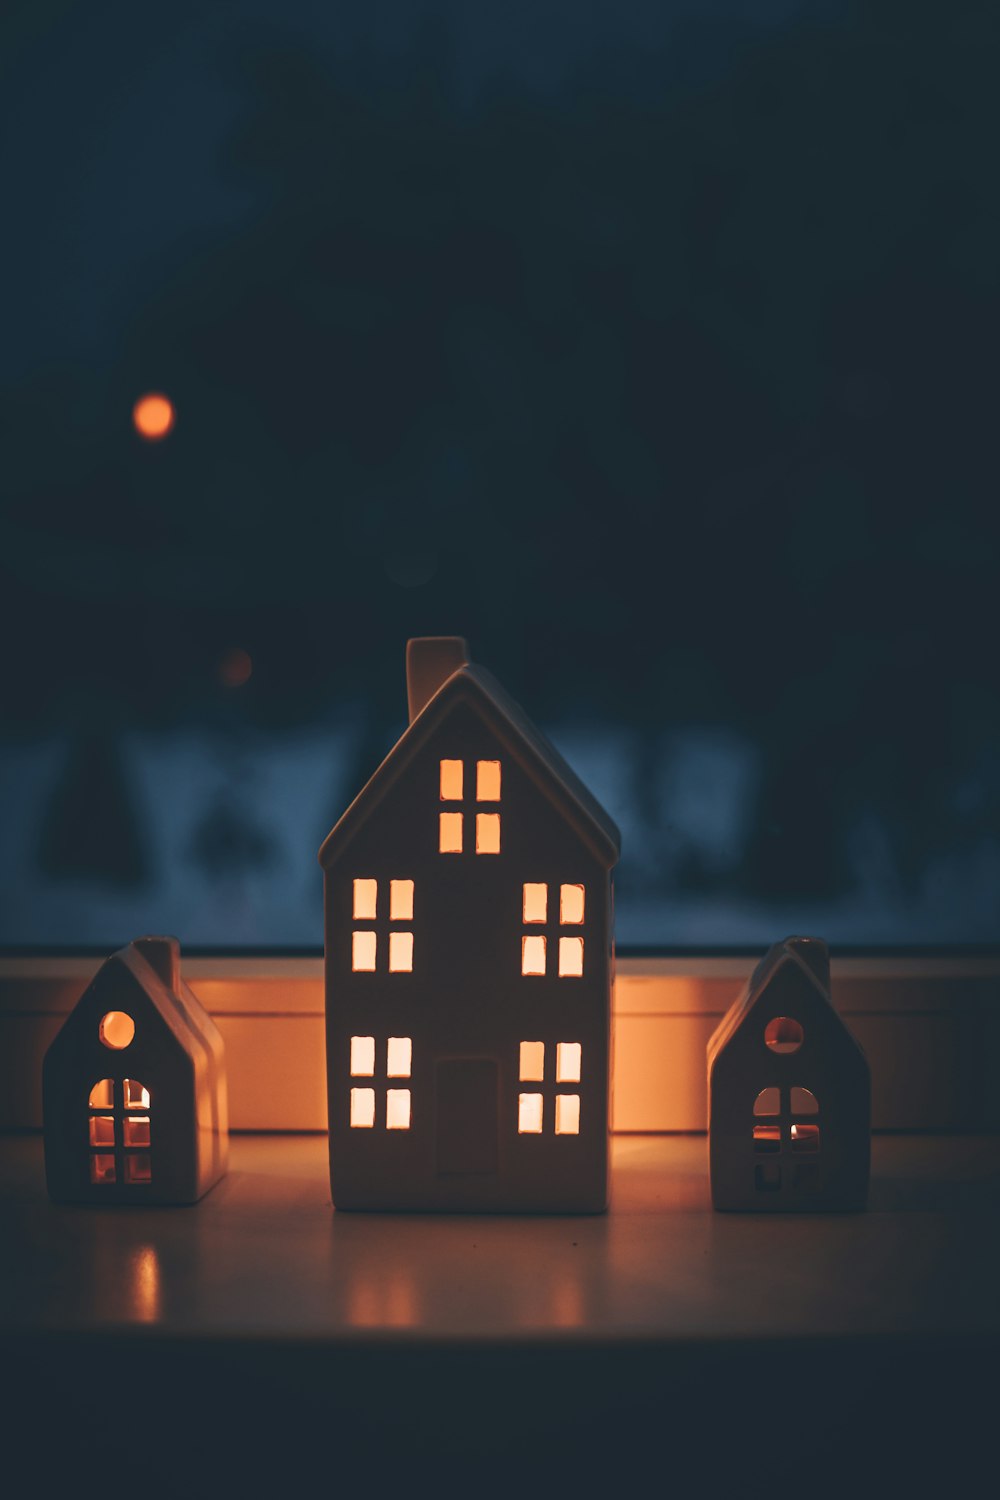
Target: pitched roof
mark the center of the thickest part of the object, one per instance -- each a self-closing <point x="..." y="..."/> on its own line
<point x="810" y="955"/>
<point x="476" y="686"/>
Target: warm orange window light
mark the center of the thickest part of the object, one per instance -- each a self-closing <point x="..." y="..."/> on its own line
<point x="783" y="1034"/>
<point x="362" y="1056"/>
<point x="397" y="1109"/>
<point x="102" y="1130"/>
<point x="136" y="1096"/>
<point x="153" y="416"/>
<point x="767" y="1138"/>
<point x="399" y="1055"/>
<point x="451" y="780"/>
<point x="365" y="900"/>
<point x="487" y="833"/>
<point x="767" y="1102"/>
<point x="102" y="1095"/>
<point x="400" y="952"/>
<point x="116" y="1030"/>
<point x="567" y="1114"/>
<point x="487" y="781"/>
<point x="532" y="1060"/>
<point x="568" y="1057"/>
<point x="137" y="1167"/>
<point x="532" y="955"/>
<point x="529" y="1114"/>
<point x="137" y="1130"/>
<point x="450" y="833"/>
<point x="570" y="903"/>
<point x="400" y="901"/>
<point x="804" y="1102"/>
<point x="570" y="958"/>
<point x="102" y="1168"/>
<point x="805" y="1137"/>
<point x="362" y="1109"/>
<point x="535" y="903"/>
<point x="363" y="948"/>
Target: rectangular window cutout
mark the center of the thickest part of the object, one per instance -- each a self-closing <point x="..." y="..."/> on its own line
<point x="102" y="1168"/>
<point x="363" y="952"/>
<point x="401" y="900"/>
<point x="568" y="1057"/>
<point x="487" y="781"/>
<point x="365" y="900"/>
<point x="136" y="1097"/>
<point x="138" y="1167"/>
<point x="529" y="1114"/>
<point x="400" y="952"/>
<point x="102" y="1130"/>
<point x="535" y="902"/>
<point x="567" y="1114"/>
<point x="397" y="1109"/>
<point x="532" y="955"/>
<point x="451" y="781"/>
<point x="767" y="1138"/>
<point x="362" y="1109"/>
<point x="767" y="1178"/>
<point x="102" y="1095"/>
<point x="137" y="1130"/>
<point x="450" y="833"/>
<point x="804" y="1102"/>
<point x="362" y="1056"/>
<point x="487" y="833"/>
<point x="399" y="1057"/>
<point x="805" y="1138"/>
<point x="570" y="958"/>
<point x="532" y="1060"/>
<point x="570" y="904"/>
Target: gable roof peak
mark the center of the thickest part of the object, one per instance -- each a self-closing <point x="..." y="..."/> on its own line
<point x="430" y="661"/>
<point x="163" y="955"/>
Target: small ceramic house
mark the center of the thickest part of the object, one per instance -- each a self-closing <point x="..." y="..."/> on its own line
<point x="134" y="1087"/>
<point x="789" y="1093"/>
<point x="468" y="963"/>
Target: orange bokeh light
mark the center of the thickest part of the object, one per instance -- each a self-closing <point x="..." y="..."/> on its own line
<point x="153" y="416"/>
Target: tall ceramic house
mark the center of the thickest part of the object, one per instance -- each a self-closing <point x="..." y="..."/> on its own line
<point x="134" y="1087"/>
<point x="789" y="1092"/>
<point x="469" y="951"/>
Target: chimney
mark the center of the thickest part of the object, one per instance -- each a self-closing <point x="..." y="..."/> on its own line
<point x="430" y="661"/>
<point x="163" y="954"/>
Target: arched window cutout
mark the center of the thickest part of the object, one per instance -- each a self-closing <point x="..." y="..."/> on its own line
<point x="783" y="1034"/>
<point x="804" y="1102"/>
<point x="768" y="1102"/>
<point x="102" y="1095"/>
<point x="136" y="1096"/>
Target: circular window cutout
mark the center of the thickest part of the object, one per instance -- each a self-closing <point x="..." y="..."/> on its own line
<point x="116" y="1030"/>
<point x="783" y="1034"/>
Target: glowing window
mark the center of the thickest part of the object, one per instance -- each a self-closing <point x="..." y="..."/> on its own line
<point x="568" y="1059"/>
<point x="450" y="833"/>
<point x="570" y="904"/>
<point x="451" y="780"/>
<point x="116" y="1030"/>
<point x="567" y="1114"/>
<point x="805" y="1138"/>
<point x="532" y="1061"/>
<point x="136" y="1130"/>
<point x="532" y="955"/>
<point x="138" y="1167"/>
<point x="399" y="1056"/>
<point x="102" y="1095"/>
<point x="363" y="946"/>
<point x="767" y="1138"/>
<point x="362" y="1056"/>
<point x="400" y="901"/>
<point x="529" y="1114"/>
<point x="782" y="1034"/>
<point x="487" y="833"/>
<point x="362" y="1109"/>
<point x="397" y="1109"/>
<point x="102" y="1130"/>
<point x="804" y="1102"/>
<point x="400" y="952"/>
<point x="365" y="900"/>
<point x="570" y="957"/>
<point x="136" y="1097"/>
<point x="102" y="1168"/>
<point x="487" y="781"/>
<point x="767" y="1102"/>
<point x="535" y="902"/>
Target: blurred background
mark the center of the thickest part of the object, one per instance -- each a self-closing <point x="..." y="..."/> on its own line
<point x="650" y="346"/>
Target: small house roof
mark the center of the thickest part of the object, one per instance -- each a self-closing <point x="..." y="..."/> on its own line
<point x="474" y="685"/>
<point x="810" y="955"/>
